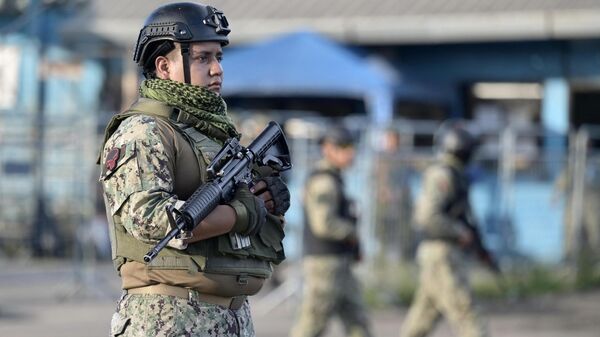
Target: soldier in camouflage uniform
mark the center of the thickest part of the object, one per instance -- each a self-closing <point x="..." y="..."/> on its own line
<point x="330" y="246"/>
<point x="443" y="285"/>
<point x="154" y="156"/>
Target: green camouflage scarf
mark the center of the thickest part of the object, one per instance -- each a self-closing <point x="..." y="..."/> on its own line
<point x="208" y="107"/>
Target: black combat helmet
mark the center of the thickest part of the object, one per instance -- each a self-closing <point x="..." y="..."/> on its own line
<point x="458" y="142"/>
<point x="182" y="22"/>
<point x="339" y="136"/>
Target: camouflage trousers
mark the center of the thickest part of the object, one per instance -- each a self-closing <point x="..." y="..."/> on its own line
<point x="330" y="289"/>
<point x="443" y="290"/>
<point x="148" y="315"/>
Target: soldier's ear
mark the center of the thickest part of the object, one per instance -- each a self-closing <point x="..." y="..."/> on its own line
<point x="162" y="67"/>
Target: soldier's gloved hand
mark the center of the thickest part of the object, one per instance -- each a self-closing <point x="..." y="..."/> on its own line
<point x="250" y="211"/>
<point x="275" y="194"/>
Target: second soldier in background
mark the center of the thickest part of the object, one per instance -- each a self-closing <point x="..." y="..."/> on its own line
<point x="439" y="218"/>
<point x="331" y="245"/>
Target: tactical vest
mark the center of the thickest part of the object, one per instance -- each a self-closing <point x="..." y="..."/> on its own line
<point x="314" y="245"/>
<point x="214" y="255"/>
<point x="456" y="207"/>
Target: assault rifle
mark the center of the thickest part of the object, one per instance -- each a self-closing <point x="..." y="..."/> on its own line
<point x="462" y="212"/>
<point x="231" y="166"/>
<point x="483" y="254"/>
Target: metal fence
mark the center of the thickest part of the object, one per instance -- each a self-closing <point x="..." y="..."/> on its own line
<point x="513" y="181"/>
<point x="524" y="204"/>
<point x="67" y="187"/>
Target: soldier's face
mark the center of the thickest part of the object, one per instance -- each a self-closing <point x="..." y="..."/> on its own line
<point x="205" y="65"/>
<point x="340" y="156"/>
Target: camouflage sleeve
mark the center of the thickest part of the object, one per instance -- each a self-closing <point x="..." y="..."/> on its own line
<point x="137" y="165"/>
<point x="321" y="202"/>
<point x="430" y="216"/>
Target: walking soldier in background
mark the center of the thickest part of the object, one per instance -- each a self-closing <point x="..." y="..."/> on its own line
<point x="154" y="156"/>
<point x="331" y="245"/>
<point x="440" y="214"/>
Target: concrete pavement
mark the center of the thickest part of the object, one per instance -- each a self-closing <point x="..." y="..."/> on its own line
<point x="59" y="298"/>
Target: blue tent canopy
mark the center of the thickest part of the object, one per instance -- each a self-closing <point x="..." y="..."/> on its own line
<point x="305" y="63"/>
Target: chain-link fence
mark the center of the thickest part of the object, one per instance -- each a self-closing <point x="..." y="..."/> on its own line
<point x="526" y="208"/>
<point x="16" y="184"/>
<point x="513" y="178"/>
<point x="67" y="186"/>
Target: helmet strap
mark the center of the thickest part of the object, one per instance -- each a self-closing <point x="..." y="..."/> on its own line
<point x="185" y="54"/>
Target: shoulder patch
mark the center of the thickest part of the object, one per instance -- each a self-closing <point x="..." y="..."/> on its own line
<point x="112" y="158"/>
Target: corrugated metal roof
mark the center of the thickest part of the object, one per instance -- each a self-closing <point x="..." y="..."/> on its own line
<point x="280" y="9"/>
<point x="387" y="21"/>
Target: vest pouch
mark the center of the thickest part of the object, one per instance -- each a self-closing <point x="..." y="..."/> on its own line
<point x="232" y="265"/>
<point x="175" y="262"/>
<point x="266" y="245"/>
<point x="130" y="249"/>
<point x="224" y="247"/>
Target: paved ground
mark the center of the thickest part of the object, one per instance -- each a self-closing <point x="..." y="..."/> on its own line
<point x="50" y="299"/>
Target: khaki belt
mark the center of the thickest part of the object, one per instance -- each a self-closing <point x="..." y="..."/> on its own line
<point x="233" y="303"/>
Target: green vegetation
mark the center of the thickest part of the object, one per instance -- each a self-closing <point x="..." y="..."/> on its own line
<point x="395" y="284"/>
